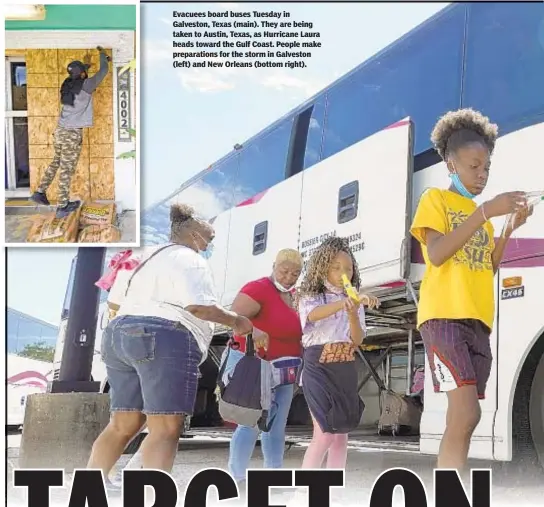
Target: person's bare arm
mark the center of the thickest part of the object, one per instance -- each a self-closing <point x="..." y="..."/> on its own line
<point x="204" y="302"/>
<point x="245" y="305"/>
<point x="217" y="314"/>
<point x="498" y="252"/>
<point x="519" y="219"/>
<point x="441" y="247"/>
<point x="248" y="307"/>
<point x="325" y="311"/>
<point x="356" y="330"/>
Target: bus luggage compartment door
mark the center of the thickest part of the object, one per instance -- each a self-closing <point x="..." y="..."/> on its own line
<point x="364" y="193"/>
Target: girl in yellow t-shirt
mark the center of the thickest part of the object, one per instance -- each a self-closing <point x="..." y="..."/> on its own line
<point x="456" y="308"/>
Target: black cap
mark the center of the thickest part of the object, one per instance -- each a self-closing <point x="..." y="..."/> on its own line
<point x="76" y="68"/>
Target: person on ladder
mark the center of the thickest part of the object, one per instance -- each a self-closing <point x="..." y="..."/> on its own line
<point x="76" y="96"/>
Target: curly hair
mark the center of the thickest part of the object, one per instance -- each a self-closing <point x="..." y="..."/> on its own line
<point x="183" y="216"/>
<point x="180" y="213"/>
<point x="313" y="283"/>
<point x="458" y="128"/>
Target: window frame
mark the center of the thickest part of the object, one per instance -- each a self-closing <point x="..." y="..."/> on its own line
<point x="289" y="124"/>
<point x="10" y="185"/>
<point x="265" y="240"/>
<point x="355" y="205"/>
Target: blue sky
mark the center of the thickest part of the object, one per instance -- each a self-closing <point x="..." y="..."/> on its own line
<point x="191" y="118"/>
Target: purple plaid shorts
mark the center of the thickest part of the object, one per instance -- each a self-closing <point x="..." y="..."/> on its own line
<point x="459" y="353"/>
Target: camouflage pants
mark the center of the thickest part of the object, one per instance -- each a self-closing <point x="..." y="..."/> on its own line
<point x="67" y="143"/>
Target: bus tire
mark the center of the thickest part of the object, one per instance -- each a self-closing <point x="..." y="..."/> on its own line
<point x="527" y="410"/>
<point x="536" y="410"/>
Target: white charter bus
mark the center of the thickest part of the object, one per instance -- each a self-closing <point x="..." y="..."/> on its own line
<point x="353" y="161"/>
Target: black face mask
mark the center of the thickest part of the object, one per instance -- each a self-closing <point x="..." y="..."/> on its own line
<point x="71" y="87"/>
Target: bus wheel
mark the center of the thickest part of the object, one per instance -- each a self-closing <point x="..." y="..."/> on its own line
<point x="527" y="416"/>
<point x="536" y="410"/>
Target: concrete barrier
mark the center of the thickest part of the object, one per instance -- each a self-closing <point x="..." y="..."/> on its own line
<point x="60" y="429"/>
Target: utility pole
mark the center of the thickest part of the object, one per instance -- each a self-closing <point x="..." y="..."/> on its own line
<point x="79" y="339"/>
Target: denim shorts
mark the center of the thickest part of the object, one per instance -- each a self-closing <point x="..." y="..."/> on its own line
<point x="152" y="366"/>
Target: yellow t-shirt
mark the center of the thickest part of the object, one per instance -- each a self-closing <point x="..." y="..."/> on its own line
<point x="462" y="288"/>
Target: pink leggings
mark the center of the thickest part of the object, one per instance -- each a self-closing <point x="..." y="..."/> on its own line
<point x="336" y="445"/>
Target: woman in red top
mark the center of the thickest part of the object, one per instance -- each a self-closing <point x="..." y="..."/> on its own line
<point x="268" y="303"/>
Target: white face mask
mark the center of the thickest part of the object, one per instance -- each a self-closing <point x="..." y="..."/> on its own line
<point x="280" y="287"/>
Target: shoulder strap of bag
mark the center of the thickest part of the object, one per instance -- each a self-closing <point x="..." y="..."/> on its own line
<point x="220" y="383"/>
<point x="266" y="397"/>
<point x="141" y="265"/>
<point x="222" y="369"/>
<point x="250" y="346"/>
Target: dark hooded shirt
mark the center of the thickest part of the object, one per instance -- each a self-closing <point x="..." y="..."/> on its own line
<point x="80" y="114"/>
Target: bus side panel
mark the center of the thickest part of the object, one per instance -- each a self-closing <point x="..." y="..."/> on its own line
<point x="373" y="178"/>
<point x="272" y="216"/>
<point x="521" y="320"/>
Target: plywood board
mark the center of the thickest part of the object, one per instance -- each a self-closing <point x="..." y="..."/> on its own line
<point x="41" y="128"/>
<point x="81" y="187"/>
<point x="37" y="167"/>
<point x="102" y="179"/>
<point x="46" y="72"/>
<point x="40" y="151"/>
<point x="101" y="150"/>
<point x="103" y="102"/>
<point x="15" y="52"/>
<point x="102" y="131"/>
<point x="41" y="61"/>
<point x="43" y="101"/>
<point x="67" y="56"/>
<point x="43" y="81"/>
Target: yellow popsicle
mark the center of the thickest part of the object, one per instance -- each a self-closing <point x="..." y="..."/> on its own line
<point x="350" y="291"/>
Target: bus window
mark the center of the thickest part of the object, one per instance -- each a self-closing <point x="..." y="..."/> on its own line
<point x="314" y="142"/>
<point x="419" y="77"/>
<point x="213" y="193"/>
<point x="298" y="142"/>
<point x="348" y="202"/>
<point x="210" y="195"/>
<point x="155" y="225"/>
<point x="262" y="162"/>
<point x="506" y="52"/>
<point x="25" y="331"/>
<point x="260" y="237"/>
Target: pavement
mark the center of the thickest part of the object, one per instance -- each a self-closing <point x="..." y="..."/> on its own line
<point x="17" y="226"/>
<point x="512" y="485"/>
